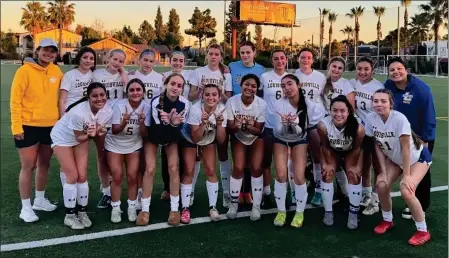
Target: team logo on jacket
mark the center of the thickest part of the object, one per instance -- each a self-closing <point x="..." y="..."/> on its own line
<point x="407" y="98"/>
<point x="52" y="79"/>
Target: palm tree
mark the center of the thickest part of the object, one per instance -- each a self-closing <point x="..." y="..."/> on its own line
<point x="331" y="18"/>
<point x="323" y="14"/>
<point x="61" y="13"/>
<point x="34" y="17"/>
<point x="379" y="11"/>
<point x="406" y="3"/>
<point x="349" y="31"/>
<point x="418" y="31"/>
<point x="436" y="11"/>
<point x="355" y="14"/>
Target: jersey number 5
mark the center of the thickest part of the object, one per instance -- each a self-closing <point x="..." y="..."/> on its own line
<point x="129" y="131"/>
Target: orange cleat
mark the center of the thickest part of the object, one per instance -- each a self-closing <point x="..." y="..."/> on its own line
<point x="248" y="198"/>
<point x="383" y="227"/>
<point x="241" y="198"/>
<point x="419" y="238"/>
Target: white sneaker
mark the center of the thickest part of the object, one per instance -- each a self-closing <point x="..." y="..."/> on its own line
<point x="28" y="215"/>
<point x="192" y="197"/>
<point x="116" y="215"/>
<point x="365" y="201"/>
<point x="226" y="201"/>
<point x="132" y="214"/>
<point x="255" y="214"/>
<point x="232" y="212"/>
<point x="371" y="209"/>
<point x="72" y="221"/>
<point x="43" y="204"/>
<point x="214" y="215"/>
<point x="84" y="219"/>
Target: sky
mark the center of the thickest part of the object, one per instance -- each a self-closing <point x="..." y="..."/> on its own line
<point x="115" y="14"/>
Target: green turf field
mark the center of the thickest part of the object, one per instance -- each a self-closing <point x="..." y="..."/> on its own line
<point x="201" y="238"/>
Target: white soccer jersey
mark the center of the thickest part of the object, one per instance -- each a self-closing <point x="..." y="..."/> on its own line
<point x="194" y="118"/>
<point x="387" y="135"/>
<point x="364" y="97"/>
<point x="341" y="87"/>
<point x="353" y="82"/>
<point x="152" y="81"/>
<point x="204" y="75"/>
<point x="255" y="111"/>
<point x="187" y="74"/>
<point x="336" y="137"/>
<point x="292" y="134"/>
<point x="75" y="83"/>
<point x="114" y="85"/>
<point x="128" y="140"/>
<point x="312" y="86"/>
<point x="270" y="84"/>
<point x="78" y="118"/>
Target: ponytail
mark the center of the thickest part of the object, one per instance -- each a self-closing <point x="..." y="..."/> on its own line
<point x="416" y="140"/>
<point x="302" y="106"/>
<point x="83" y="99"/>
<point x="328" y="87"/>
<point x="92" y="86"/>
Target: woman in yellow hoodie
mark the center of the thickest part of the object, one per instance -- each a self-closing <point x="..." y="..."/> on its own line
<point x="34" y="111"/>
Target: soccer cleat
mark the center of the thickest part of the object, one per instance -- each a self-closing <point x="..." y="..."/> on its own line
<point x="248" y="198"/>
<point x="406" y="214"/>
<point x="174" y="218"/>
<point x="226" y="201"/>
<point x="105" y="201"/>
<point x="84" y="219"/>
<point x="255" y="214"/>
<point x="232" y="212"/>
<point x="72" y="221"/>
<point x="298" y="219"/>
<point x="383" y="227"/>
<point x="419" y="238"/>
<point x="43" y="204"/>
<point x="185" y="216"/>
<point x="192" y="198"/>
<point x="353" y="221"/>
<point x="365" y="201"/>
<point x="28" y="215"/>
<point x="279" y="221"/>
<point x="241" y="198"/>
<point x="328" y="218"/>
<point x="372" y="208"/>
<point x="165" y="196"/>
<point x="143" y="218"/>
<point x="116" y="215"/>
<point x="213" y="214"/>
<point x="132" y="214"/>
<point x="316" y="200"/>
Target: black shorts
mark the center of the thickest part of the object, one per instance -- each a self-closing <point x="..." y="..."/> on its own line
<point x="33" y="135"/>
<point x="289" y="144"/>
<point x="267" y="133"/>
<point x="367" y="144"/>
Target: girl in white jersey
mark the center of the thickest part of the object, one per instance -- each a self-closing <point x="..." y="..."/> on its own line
<point x="290" y="132"/>
<point x="85" y="119"/>
<point x="75" y="82"/>
<point x="399" y="152"/>
<point x="341" y="139"/>
<point x="312" y="85"/>
<point x="123" y="146"/>
<point x="270" y="90"/>
<point x="113" y="78"/>
<point x="365" y="86"/>
<point x="214" y="73"/>
<point x="205" y="126"/>
<point x="246" y="114"/>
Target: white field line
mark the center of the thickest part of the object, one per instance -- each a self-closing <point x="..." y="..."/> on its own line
<point x="152" y="227"/>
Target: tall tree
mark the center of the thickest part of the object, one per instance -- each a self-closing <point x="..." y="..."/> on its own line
<point x="88" y="35"/>
<point x="323" y="14"/>
<point x="348" y="31"/>
<point x="147" y="33"/>
<point x="232" y="23"/>
<point x="379" y="11"/>
<point x="203" y="25"/>
<point x="406" y="4"/>
<point x="258" y="38"/>
<point x="419" y="28"/>
<point x="355" y="13"/>
<point x="173" y="37"/>
<point x="160" y="28"/>
<point x="8" y="42"/>
<point x="436" y="11"/>
<point x="34" y="17"/>
<point x="61" y="13"/>
<point x="98" y="26"/>
<point x="331" y="18"/>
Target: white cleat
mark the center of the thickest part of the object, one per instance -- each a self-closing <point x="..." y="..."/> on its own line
<point x="43" y="205"/>
<point x="116" y="215"/>
<point x="28" y="215"/>
<point x="84" y="219"/>
<point x="214" y="215"/>
<point x="371" y="209"/>
<point x="72" y="221"/>
<point x="365" y="201"/>
<point x="255" y="214"/>
<point x="232" y="212"/>
<point x="132" y="214"/>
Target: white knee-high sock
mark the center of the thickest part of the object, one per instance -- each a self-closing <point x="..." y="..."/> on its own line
<point x="196" y="172"/>
<point x="301" y="197"/>
<point x="317" y="177"/>
<point x="62" y="177"/>
<point x="174" y="203"/>
<point x="327" y="195"/>
<point x="146" y="202"/>
<point x="212" y="193"/>
<point x="291" y="175"/>
<point x="225" y="172"/>
<point x="280" y="192"/>
<point x="82" y="193"/>
<point x="355" y="197"/>
<point x="236" y="185"/>
<point x="257" y="186"/>
<point x="342" y="180"/>
<point x="186" y="191"/>
<point x="69" y="191"/>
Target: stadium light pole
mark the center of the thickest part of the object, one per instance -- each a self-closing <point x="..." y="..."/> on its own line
<point x="224" y="30"/>
<point x="399" y="32"/>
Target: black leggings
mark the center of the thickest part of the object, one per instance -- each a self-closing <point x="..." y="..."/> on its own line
<point x="423" y="189"/>
<point x="164" y="164"/>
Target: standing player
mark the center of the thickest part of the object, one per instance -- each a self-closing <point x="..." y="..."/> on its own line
<point x="164" y="121"/>
<point x="205" y="127"/>
<point x="113" y="78"/>
<point x="341" y="138"/>
<point x="270" y="91"/>
<point x="399" y="152"/>
<point x="84" y="119"/>
<point x="312" y="85"/>
<point x="74" y="83"/>
<point x="246" y="118"/>
<point x="290" y="132"/>
<point x="33" y="105"/>
<point x="123" y="145"/>
<point x="365" y="86"/>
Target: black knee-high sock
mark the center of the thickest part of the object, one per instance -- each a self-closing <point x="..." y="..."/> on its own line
<point x="164" y="167"/>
